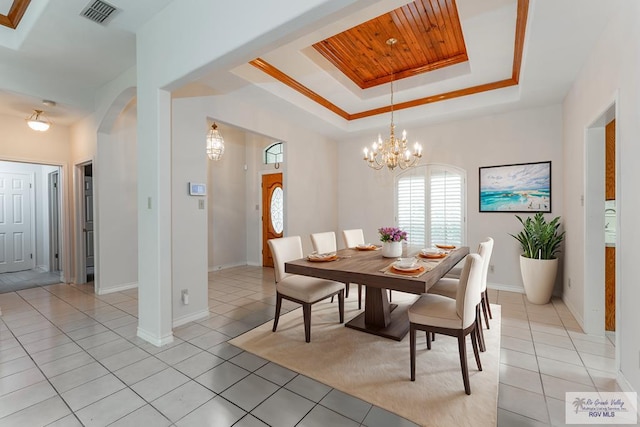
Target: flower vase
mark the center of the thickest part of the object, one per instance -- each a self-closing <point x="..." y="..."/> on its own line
<point x="391" y="249"/>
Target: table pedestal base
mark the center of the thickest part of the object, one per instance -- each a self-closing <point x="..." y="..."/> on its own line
<point x="381" y="318"/>
<point x="397" y="329"/>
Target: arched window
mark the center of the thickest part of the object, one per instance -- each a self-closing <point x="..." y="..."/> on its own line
<point x="431" y="204"/>
<point x="274" y="153"/>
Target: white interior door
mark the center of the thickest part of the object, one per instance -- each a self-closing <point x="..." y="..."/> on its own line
<point x="15" y="222"/>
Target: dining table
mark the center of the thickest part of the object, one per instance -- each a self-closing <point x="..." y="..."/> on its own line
<point x="371" y="269"/>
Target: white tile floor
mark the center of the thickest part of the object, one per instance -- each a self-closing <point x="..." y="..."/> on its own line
<point x="70" y="358"/>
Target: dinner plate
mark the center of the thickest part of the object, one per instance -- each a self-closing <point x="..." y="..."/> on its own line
<point x="366" y="247"/>
<point x="411" y="269"/>
<point x="432" y="255"/>
<point x="441" y="246"/>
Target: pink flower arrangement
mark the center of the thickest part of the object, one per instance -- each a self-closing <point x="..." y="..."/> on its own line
<point x="392" y="234"/>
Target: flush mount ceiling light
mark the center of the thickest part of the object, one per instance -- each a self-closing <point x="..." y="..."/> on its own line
<point x="38" y="121"/>
<point x="215" y="143"/>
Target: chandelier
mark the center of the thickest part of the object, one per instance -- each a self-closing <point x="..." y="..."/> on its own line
<point x="215" y="143"/>
<point x="392" y="152"/>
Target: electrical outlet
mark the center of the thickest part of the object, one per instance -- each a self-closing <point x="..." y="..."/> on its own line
<point x="200" y="203"/>
<point x="185" y="296"/>
<point x="492" y="268"/>
<point x="569" y="283"/>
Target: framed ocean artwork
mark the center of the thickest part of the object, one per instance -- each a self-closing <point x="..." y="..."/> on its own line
<point x="524" y="187"/>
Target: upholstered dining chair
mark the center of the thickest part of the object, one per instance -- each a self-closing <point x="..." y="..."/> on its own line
<point x="448" y="286"/>
<point x="353" y="238"/>
<point x="454" y="317"/>
<point x="324" y="243"/>
<point x="303" y="290"/>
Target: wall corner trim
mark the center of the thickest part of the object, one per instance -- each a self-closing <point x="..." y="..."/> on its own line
<point x="154" y="339"/>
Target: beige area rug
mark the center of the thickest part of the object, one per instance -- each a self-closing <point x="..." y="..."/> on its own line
<point x="377" y="369"/>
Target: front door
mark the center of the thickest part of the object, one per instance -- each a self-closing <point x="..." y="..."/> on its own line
<point x="272" y="213"/>
<point x="15" y="223"/>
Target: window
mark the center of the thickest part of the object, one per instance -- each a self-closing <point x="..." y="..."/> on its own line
<point x="274" y="153"/>
<point x="430" y="205"/>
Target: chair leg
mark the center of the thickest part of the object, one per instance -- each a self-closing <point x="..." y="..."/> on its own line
<point x="480" y="336"/>
<point x="278" y="306"/>
<point x="474" y="343"/>
<point x="306" y="313"/>
<point x="429" y="336"/>
<point x="412" y="350"/>
<point x="359" y="296"/>
<point x="389" y="295"/>
<point x="484" y="303"/>
<point x="486" y="298"/>
<point x="462" y="349"/>
<point x="341" y="305"/>
<point x="346" y="287"/>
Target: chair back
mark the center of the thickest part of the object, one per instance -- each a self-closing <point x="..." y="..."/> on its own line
<point x="353" y="238"/>
<point x="484" y="250"/>
<point x="284" y="249"/>
<point x="324" y="242"/>
<point x="468" y="293"/>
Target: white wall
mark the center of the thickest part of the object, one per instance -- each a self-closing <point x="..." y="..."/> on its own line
<point x="116" y="185"/>
<point x="227" y="184"/>
<point x="613" y="67"/>
<point x="366" y="197"/>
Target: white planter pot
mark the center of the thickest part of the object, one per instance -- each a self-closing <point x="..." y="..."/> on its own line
<point x="391" y="249"/>
<point x="539" y="277"/>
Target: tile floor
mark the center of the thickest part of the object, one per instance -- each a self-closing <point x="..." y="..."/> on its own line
<point x="70" y="358"/>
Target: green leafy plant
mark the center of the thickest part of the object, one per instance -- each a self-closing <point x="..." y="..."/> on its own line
<point x="539" y="239"/>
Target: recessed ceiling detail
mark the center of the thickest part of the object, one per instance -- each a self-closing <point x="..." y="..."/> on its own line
<point x="12" y="19"/>
<point x="429" y="37"/>
<point x="520" y="31"/>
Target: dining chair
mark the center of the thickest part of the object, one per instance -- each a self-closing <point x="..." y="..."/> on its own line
<point x="448" y="287"/>
<point x="353" y="238"/>
<point x="324" y="243"/>
<point x="454" y="317"/>
<point x="303" y="290"/>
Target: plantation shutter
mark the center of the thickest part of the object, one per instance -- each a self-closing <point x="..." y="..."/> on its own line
<point x="446" y="206"/>
<point x="411" y="207"/>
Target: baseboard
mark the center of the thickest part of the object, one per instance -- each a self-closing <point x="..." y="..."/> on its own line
<point x="153" y="339"/>
<point x="508" y="288"/>
<point x="254" y="264"/>
<point x="225" y="266"/>
<point x="203" y="314"/>
<point x="120" y="288"/>
<point x="42" y="268"/>
<point x="577" y="315"/>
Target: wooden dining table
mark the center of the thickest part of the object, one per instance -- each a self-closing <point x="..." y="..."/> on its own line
<point x="380" y="317"/>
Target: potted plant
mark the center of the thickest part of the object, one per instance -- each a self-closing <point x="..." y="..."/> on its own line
<point x="540" y="242"/>
<point x="391" y="238"/>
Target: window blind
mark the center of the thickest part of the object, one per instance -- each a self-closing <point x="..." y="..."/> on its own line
<point x="446" y="204"/>
<point x="411" y="208"/>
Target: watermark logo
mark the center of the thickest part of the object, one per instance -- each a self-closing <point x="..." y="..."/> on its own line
<point x="601" y="408"/>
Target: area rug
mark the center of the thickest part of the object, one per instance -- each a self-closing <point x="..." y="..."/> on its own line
<point x="377" y="369"/>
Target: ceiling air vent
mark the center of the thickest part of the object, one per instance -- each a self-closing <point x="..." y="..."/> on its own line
<point x="99" y="11"/>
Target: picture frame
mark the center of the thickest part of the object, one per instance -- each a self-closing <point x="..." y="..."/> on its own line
<point x="522" y="187"/>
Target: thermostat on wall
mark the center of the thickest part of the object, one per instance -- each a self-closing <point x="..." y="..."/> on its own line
<point x="197" y="189"/>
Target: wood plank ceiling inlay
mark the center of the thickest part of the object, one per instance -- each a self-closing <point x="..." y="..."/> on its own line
<point x="12" y="19"/>
<point x="429" y="37"/>
<point x="521" y="26"/>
